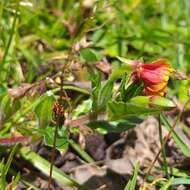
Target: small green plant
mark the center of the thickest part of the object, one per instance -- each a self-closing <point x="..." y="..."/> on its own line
<point x="64" y="74"/>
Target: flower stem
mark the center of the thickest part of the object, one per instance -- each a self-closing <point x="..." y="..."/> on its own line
<point x="52" y="157"/>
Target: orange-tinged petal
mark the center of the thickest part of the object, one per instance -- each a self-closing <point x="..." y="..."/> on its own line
<point x="149" y="91"/>
<point x="154" y="75"/>
<point x="156" y="88"/>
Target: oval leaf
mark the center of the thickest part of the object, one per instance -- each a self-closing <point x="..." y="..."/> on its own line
<point x="61" y="140"/>
<point x="121" y="110"/>
<point x="43" y="111"/>
<point x="90" y="55"/>
<point x="158" y="102"/>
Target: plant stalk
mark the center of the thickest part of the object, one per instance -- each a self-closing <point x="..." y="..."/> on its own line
<point x="52" y="157"/>
<point x="163" y="150"/>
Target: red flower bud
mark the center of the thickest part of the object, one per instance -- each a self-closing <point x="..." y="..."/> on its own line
<point x="154" y="75"/>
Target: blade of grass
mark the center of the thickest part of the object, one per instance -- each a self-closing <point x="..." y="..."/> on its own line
<point x="10" y="37"/>
<point x="181" y="181"/>
<point x="24" y="180"/>
<point x="184" y="148"/>
<point x="43" y="165"/>
<point x="132" y="183"/>
<point x="127" y="187"/>
<point x="81" y="152"/>
<point x="6" y="167"/>
<point x="167" y="184"/>
<point x="166" y="138"/>
<point x="15" y="180"/>
<point x="163" y="150"/>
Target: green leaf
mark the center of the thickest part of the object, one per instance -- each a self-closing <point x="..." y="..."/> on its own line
<point x="61" y="140"/>
<point x="181" y="181"/>
<point x="80" y="151"/>
<point x="82" y="108"/>
<point x="134" y="179"/>
<point x="5" y="168"/>
<point x="43" y="165"/>
<point x="141" y="100"/>
<point x="121" y="110"/>
<point x="15" y="118"/>
<point x="90" y="55"/>
<point x="179" y="172"/>
<point x="120" y="71"/>
<point x="161" y="102"/>
<point x="184" y="148"/>
<point x="133" y="90"/>
<point x="96" y="86"/>
<point x="122" y="89"/>
<point x="98" y="35"/>
<point x="167" y="184"/>
<point x="124" y="60"/>
<point x="15" y="180"/>
<point x="43" y="111"/>
<point x="157" y="102"/>
<point x="5" y="105"/>
<point x="105" y="127"/>
<point x="100" y="94"/>
<point x="128" y="185"/>
<point x="8" y="106"/>
<point x="3" y="89"/>
<point x="132" y="183"/>
<point x="105" y="95"/>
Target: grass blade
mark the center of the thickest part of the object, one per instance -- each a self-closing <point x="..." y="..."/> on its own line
<point x="43" y="165"/>
<point x="5" y="168"/>
<point x="184" y="148"/>
<point x="167" y="184"/>
<point x="81" y="152"/>
<point x="132" y="183"/>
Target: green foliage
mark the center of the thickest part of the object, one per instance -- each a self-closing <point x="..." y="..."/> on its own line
<point x="132" y="182"/>
<point x="43" y="165"/>
<point x="83" y="108"/>
<point x="121" y="110"/>
<point x="8" y="106"/>
<point x="181" y="181"/>
<point x="41" y="41"/>
<point x="119" y="71"/>
<point x="101" y="94"/>
<point x="80" y="151"/>
<point x="167" y="185"/>
<point x="4" y="168"/>
<point x="43" y="111"/>
<point x="61" y="140"/>
<point x="133" y="90"/>
<point x="90" y="55"/>
<point x="179" y="141"/>
<point x="157" y="102"/>
<point x="105" y="95"/>
<point x="104" y="127"/>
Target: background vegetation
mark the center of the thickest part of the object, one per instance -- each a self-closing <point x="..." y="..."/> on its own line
<point x="61" y="50"/>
